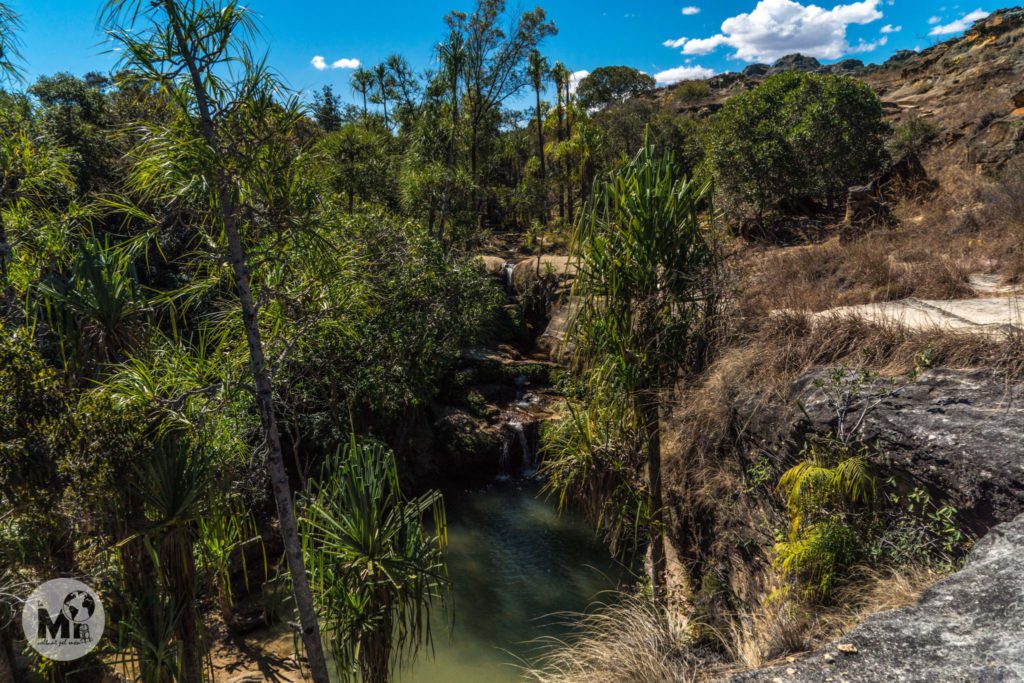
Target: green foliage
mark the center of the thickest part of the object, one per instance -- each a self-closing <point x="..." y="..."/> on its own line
<point x="796" y="138"/>
<point x="690" y="91"/>
<point x="646" y="275"/>
<point x="97" y="308"/>
<point x="593" y="458"/>
<point x="841" y="516"/>
<point x="824" y="493"/>
<point x="376" y="558"/>
<point x="608" y="84"/>
<point x="911" y="136"/>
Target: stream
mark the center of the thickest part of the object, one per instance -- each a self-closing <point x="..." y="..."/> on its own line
<point x="515" y="562"/>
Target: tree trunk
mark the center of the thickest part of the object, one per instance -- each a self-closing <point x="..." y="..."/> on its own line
<point x="570" y="200"/>
<point x="178" y="567"/>
<point x="649" y="410"/>
<point x="6" y="668"/>
<point x="264" y="390"/>
<point x="543" y="168"/>
<point x="275" y="463"/>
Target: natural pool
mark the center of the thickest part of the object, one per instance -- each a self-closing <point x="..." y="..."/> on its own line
<point x="515" y="564"/>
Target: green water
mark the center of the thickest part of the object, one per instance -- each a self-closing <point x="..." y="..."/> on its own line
<point x="515" y="562"/>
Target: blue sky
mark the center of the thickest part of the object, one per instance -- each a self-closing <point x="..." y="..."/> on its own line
<point x="671" y="40"/>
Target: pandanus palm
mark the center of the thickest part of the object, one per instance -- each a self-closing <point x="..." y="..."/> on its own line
<point x="222" y="157"/>
<point x="97" y="306"/>
<point x="646" y="297"/>
<point x="378" y="565"/>
<point x="362" y="84"/>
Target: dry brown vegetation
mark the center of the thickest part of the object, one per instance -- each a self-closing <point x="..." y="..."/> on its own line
<point x="629" y="642"/>
<point x="972" y="225"/>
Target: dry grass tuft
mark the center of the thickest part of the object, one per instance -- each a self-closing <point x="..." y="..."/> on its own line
<point x="628" y="642"/>
<point x="624" y="642"/>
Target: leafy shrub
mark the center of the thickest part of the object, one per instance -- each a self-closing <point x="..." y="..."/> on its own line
<point x="911" y="136"/>
<point x="796" y="139"/>
<point x="840" y="516"/>
<point x="688" y="91"/>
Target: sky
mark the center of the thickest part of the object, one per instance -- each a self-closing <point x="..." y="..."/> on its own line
<point x="313" y="43"/>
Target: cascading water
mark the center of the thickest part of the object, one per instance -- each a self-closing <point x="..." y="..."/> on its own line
<point x="515" y="434"/>
<point x="506" y="276"/>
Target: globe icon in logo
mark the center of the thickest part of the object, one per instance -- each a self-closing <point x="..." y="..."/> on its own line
<point x="78" y="606"/>
<point x="63" y="619"/>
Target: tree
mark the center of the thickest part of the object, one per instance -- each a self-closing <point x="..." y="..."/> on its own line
<point x="538" y="74"/>
<point x="379" y="566"/>
<point x="796" y="139"/>
<point x="496" y="64"/>
<point x="10" y="24"/>
<point x="646" y="299"/>
<point x="405" y="87"/>
<point x="326" y="111"/>
<point x="358" y="157"/>
<point x="609" y="84"/>
<point x="183" y="50"/>
<point x="362" y="84"/>
<point x="383" y="86"/>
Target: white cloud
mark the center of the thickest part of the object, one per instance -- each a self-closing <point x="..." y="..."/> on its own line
<point x="320" y="64"/>
<point x="678" y="42"/>
<point x="682" y="73"/>
<point x="959" y="25"/>
<point x="779" y="27"/>
<point x="934" y="20"/>
<point x="889" y="28"/>
<point x="691" y="10"/>
<point x="574" y="79"/>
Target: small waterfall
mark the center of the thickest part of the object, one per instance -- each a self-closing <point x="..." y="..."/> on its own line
<point x="506" y="275"/>
<point x="524" y="443"/>
<point x="504" y="466"/>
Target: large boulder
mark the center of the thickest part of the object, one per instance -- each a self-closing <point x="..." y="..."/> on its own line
<point x="965" y="628"/>
<point x="956" y="432"/>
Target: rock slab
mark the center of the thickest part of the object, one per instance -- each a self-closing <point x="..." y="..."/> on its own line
<point x="965" y="628"/>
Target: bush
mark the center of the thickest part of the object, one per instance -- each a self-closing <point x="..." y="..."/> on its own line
<point x="689" y="91"/>
<point x="796" y="140"/>
<point x="911" y="136"/>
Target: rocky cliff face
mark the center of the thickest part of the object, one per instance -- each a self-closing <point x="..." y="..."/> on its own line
<point x="956" y="432"/>
<point x="965" y="628"/>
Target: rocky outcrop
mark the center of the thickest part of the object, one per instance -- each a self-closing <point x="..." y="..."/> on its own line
<point x="965" y="628"/>
<point x="956" y="432"/>
<point x="794" y="62"/>
<point x="871" y="204"/>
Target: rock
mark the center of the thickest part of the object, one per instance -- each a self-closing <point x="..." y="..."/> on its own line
<point x="847" y="648"/>
<point x="559" y="266"/>
<point x="794" y="62"/>
<point x="870" y="204"/>
<point x="494" y="265"/>
<point x="955" y="431"/>
<point x="755" y="70"/>
<point x="995" y="143"/>
<point x="845" y="66"/>
<point x="1018" y="99"/>
<point x="898" y="58"/>
<point x="965" y="628"/>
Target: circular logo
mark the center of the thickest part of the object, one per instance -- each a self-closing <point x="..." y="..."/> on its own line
<point x="63" y="619"/>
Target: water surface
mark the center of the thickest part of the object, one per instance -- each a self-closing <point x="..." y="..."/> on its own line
<point x="515" y="562"/>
